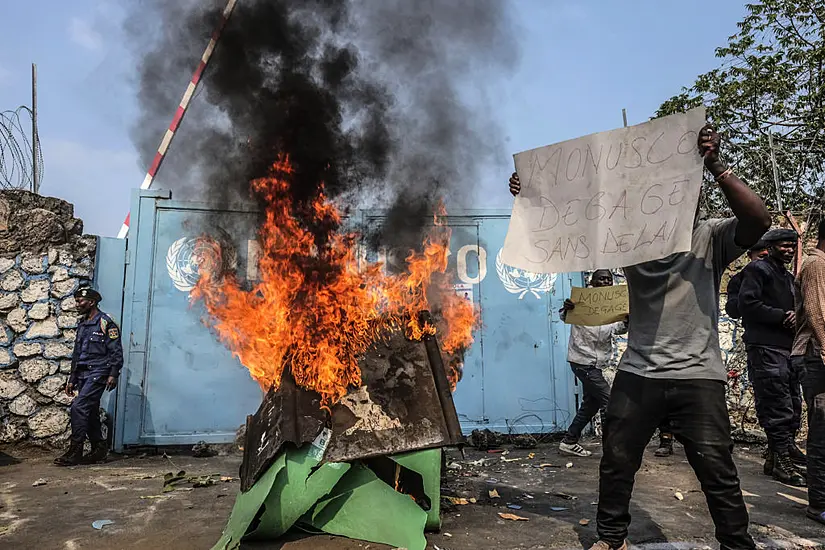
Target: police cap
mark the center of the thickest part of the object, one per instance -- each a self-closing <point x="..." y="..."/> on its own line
<point x="760" y="245"/>
<point x="89" y="294"/>
<point x="780" y="235"/>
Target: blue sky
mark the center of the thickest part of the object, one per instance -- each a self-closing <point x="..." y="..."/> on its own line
<point x="580" y="64"/>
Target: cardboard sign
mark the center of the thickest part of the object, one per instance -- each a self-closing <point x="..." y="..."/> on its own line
<point x="598" y="306"/>
<point x="607" y="200"/>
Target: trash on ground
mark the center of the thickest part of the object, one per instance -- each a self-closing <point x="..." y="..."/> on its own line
<point x="512" y="517"/>
<point x="524" y="441"/>
<point x="546" y="465"/>
<point x="514" y="507"/>
<point x="679" y="496"/>
<point x="558" y="508"/>
<point x="101" y="523"/>
<point x="203" y="450"/>
<point x="172" y="481"/>
<point x="568" y="465"/>
<point x="748" y="494"/>
<point x="453" y="466"/>
<point x="531" y="456"/>
<point x="565" y="496"/>
<point x="4" y="529"/>
<point x="149" y="497"/>
<point x="484" y="440"/>
<point x="458" y="501"/>
<point x="493" y="493"/>
<point x="479" y="462"/>
<point x="503" y="459"/>
<point x="584" y="522"/>
<point x="525" y="495"/>
<point x="795" y="499"/>
<point x="39" y="482"/>
<point x="448" y="535"/>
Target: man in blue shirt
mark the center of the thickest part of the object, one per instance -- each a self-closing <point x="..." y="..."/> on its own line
<point x="96" y="362"/>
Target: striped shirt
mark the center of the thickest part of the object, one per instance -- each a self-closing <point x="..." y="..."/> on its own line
<point x="810" y="303"/>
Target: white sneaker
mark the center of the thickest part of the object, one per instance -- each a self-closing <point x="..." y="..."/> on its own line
<point x="602" y="545"/>
<point x="573" y="449"/>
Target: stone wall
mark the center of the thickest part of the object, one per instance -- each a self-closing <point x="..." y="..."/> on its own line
<point x="44" y="258"/>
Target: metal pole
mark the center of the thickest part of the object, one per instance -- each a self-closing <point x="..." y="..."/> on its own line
<point x="624" y="117"/>
<point x="35" y="138"/>
<point x="775" y="173"/>
<point x="181" y="110"/>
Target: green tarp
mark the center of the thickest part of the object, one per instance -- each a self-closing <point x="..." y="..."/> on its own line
<point x="339" y="499"/>
<point x="295" y="491"/>
<point x="364" y="507"/>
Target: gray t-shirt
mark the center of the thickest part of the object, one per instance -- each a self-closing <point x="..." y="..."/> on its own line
<point x="674" y="308"/>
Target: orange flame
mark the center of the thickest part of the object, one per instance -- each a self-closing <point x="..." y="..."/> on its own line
<point x="313" y="310"/>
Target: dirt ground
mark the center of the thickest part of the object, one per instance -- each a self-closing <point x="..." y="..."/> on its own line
<point x="558" y="502"/>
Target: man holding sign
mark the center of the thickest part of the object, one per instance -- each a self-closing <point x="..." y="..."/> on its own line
<point x="672" y="369"/>
<point x="589" y="350"/>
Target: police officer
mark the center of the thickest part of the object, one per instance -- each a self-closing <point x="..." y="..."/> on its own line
<point x="758" y="251"/>
<point x="96" y="363"/>
<point x="766" y="302"/>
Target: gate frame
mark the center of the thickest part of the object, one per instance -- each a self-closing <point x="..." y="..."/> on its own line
<point x="137" y="296"/>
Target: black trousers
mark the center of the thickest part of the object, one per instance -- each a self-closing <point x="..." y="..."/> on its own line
<point x="698" y="416"/>
<point x="813" y="387"/>
<point x="85" y="409"/>
<point x="777" y="395"/>
<point x="596" y="392"/>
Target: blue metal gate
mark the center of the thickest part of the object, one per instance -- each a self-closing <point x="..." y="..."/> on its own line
<point x="180" y="385"/>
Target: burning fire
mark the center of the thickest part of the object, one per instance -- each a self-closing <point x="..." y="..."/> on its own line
<point x="314" y="310"/>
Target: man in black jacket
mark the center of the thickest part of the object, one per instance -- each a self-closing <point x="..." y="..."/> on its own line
<point x="758" y="251"/>
<point x="766" y="301"/>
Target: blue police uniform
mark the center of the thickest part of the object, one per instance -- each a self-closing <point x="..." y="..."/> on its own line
<point x="97" y="355"/>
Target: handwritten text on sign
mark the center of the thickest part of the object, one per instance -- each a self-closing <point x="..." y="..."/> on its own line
<point x="598" y="306"/>
<point x="607" y="200"/>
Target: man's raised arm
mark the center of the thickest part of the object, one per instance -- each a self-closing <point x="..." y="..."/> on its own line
<point x="747" y="206"/>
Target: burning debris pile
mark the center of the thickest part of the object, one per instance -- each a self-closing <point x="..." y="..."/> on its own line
<point x="314" y="312"/>
<point x="325" y="106"/>
<point x="356" y="378"/>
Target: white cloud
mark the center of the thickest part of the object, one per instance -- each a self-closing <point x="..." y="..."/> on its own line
<point x="82" y="33"/>
<point x="97" y="180"/>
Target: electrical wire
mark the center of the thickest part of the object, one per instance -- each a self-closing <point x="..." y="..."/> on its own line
<point x="16" y="166"/>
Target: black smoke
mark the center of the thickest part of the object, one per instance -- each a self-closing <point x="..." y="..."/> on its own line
<point x="367" y="96"/>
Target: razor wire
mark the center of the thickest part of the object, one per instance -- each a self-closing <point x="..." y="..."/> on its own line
<point x="16" y="160"/>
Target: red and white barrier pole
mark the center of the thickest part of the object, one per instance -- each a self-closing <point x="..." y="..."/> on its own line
<point x="181" y="111"/>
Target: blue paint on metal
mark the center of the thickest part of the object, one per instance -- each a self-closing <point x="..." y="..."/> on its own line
<point x="180" y="385"/>
<point x="109" y="274"/>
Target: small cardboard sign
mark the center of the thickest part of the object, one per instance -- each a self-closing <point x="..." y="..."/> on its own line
<point x="598" y="306"/>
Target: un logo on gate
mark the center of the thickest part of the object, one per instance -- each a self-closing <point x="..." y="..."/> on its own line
<point x="188" y="257"/>
<point x="519" y="281"/>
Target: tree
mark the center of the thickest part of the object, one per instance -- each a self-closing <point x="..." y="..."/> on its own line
<point x="770" y="82"/>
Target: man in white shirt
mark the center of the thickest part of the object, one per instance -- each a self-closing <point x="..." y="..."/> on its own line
<point x="589" y="350"/>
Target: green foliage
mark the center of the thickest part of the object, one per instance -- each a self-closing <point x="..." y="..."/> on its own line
<point x="770" y="81"/>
